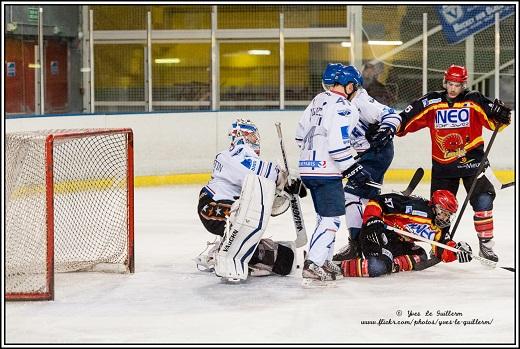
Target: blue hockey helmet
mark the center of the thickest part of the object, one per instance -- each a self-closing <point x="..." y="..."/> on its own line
<point x="329" y="74"/>
<point x="347" y="74"/>
<point x="245" y="131"/>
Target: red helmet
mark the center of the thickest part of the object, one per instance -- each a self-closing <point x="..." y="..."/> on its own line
<point x="446" y="200"/>
<point x="456" y="73"/>
<point x="444" y="206"/>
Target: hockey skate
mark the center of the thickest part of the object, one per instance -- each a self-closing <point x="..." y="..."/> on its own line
<point x="486" y="249"/>
<point x="350" y="251"/>
<point x="206" y="262"/>
<point x="315" y="276"/>
<point x="334" y="269"/>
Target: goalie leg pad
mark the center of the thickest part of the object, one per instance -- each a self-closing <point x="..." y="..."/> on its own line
<point x="246" y="224"/>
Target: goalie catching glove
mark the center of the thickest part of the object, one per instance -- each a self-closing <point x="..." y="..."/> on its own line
<point x="500" y="113"/>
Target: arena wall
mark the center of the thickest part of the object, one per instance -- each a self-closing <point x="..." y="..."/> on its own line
<point x="180" y="147"/>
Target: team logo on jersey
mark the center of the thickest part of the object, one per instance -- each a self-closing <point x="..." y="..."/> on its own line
<point x="427" y="102"/>
<point x="344" y="112"/>
<point x="452" y="118"/>
<point x="423" y="230"/>
<point x="409" y="210"/>
<point x="313" y="163"/>
<point x="451" y="145"/>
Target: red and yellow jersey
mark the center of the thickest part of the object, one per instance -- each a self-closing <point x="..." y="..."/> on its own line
<point x="455" y="129"/>
<point x="410" y="213"/>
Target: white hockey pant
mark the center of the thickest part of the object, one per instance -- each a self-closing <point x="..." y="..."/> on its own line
<point x="321" y="246"/>
<point x="245" y="226"/>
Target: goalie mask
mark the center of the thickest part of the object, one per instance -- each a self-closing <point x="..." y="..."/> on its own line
<point x="244" y="131"/>
<point x="445" y="206"/>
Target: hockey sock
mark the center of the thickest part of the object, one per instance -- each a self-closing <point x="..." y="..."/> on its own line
<point x="406" y="262"/>
<point x="483" y="221"/>
<point x="357" y="267"/>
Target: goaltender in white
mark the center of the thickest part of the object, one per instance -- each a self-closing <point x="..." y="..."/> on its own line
<point x="236" y="204"/>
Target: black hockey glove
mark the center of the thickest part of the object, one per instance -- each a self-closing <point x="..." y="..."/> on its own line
<point x="357" y="176"/>
<point x="372" y="237"/>
<point x="380" y="137"/>
<point x="296" y="188"/>
<point x="465" y="252"/>
<point x="500" y="113"/>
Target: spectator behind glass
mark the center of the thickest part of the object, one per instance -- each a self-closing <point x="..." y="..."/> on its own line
<point x="374" y="87"/>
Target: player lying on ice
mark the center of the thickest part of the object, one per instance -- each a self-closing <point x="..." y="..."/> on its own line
<point x="243" y="192"/>
<point x="385" y="251"/>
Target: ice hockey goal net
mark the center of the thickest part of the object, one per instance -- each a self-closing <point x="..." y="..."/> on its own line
<point x="69" y="206"/>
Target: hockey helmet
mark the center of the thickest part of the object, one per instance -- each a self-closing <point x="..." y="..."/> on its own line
<point x="329" y="75"/>
<point x="445" y="206"/>
<point x="347" y="74"/>
<point x="456" y="73"/>
<point x="245" y="131"/>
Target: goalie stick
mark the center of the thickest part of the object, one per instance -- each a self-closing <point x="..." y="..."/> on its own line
<point x="483" y="260"/>
<point x="296" y="210"/>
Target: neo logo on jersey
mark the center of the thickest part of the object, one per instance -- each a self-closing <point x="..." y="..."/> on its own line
<point x="452" y="118"/>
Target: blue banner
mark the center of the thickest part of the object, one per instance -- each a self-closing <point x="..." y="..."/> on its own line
<point x="461" y="21"/>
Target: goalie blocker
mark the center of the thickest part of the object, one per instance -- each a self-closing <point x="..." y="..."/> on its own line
<point x="241" y="246"/>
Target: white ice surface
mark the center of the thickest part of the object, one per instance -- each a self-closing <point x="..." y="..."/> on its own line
<point x="167" y="301"/>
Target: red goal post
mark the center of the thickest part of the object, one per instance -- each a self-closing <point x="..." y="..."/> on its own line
<point x="69" y="206"/>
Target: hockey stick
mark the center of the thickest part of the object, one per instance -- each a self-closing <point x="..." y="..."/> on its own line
<point x="446" y="247"/>
<point x="416" y="178"/>
<point x="507" y="185"/>
<point x="435" y="260"/>
<point x="374" y="184"/>
<point x="296" y="210"/>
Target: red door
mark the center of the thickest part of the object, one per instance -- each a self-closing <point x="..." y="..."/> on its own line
<point x="56" y="76"/>
<point x="20" y="76"/>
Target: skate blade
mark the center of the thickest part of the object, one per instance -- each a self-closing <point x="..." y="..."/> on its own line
<point x="231" y="281"/>
<point x="203" y="266"/>
<point x="488" y="263"/>
<point x="315" y="283"/>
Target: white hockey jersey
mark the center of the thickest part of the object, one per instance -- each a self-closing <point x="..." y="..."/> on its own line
<point x="323" y="135"/>
<point x="371" y="111"/>
<point x="231" y="167"/>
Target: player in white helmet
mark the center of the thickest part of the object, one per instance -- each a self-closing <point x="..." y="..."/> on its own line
<point x="243" y="192"/>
